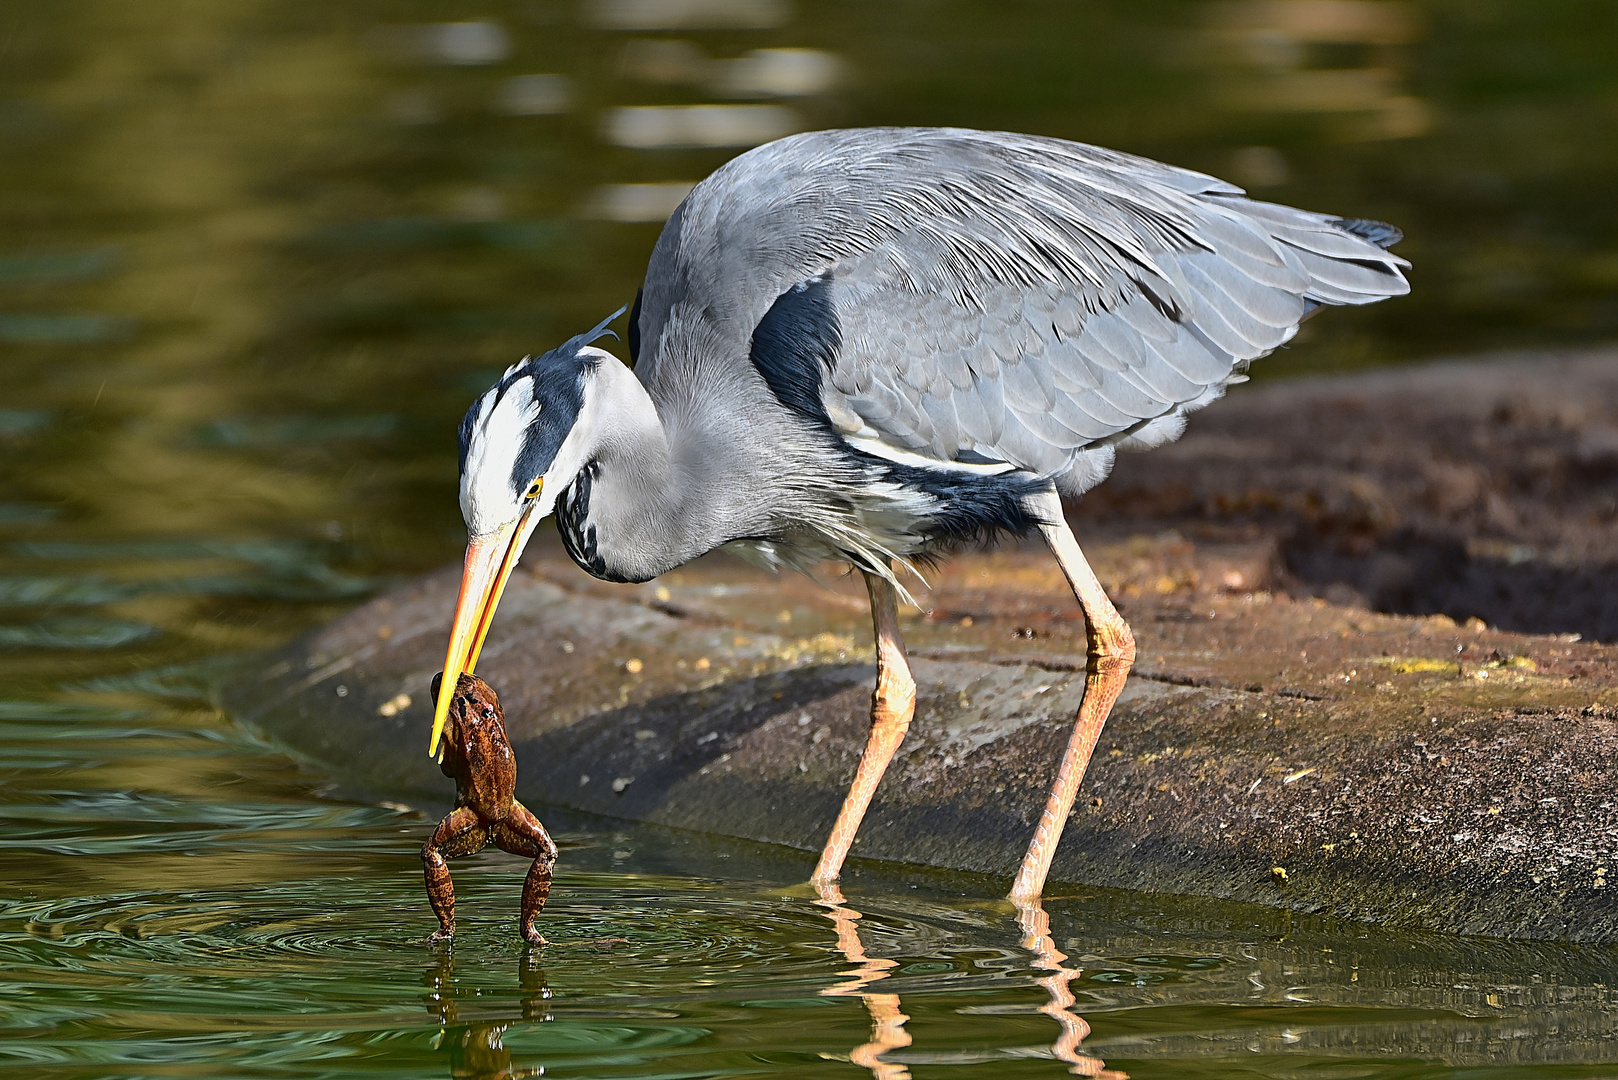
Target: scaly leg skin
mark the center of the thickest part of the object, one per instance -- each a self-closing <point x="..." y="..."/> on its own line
<point x="1111" y="652"/>
<point x="522" y="834"/>
<point x="461" y="833"/>
<point x="892" y="705"/>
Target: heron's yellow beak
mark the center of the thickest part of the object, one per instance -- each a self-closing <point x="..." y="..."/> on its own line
<point x="489" y="562"/>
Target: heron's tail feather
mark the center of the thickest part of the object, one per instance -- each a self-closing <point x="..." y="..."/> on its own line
<point x="1379" y="233"/>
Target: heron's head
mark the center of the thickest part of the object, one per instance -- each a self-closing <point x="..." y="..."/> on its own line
<point x="521" y="446"/>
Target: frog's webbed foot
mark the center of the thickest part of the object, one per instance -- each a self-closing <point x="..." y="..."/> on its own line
<point x="442" y="936"/>
<point x="532" y="935"/>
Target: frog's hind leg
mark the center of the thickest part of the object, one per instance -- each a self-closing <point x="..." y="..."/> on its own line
<point x="461" y="833"/>
<point x="522" y="834"/>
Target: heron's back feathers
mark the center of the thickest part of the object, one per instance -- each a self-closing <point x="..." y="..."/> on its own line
<point x="979" y="303"/>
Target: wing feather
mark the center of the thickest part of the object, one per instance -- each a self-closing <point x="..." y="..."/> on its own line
<point x="1189" y="358"/>
<point x="1024" y="299"/>
<point x="1217" y="309"/>
<point x="977" y="433"/>
<point x="1070" y="373"/>
<point x="987" y="392"/>
<point x="1089" y="415"/>
<point x="1121" y="342"/>
<point x="1146" y="319"/>
<point x="946" y="438"/>
<point x="1122" y="394"/>
<point x="1147" y="367"/>
<point x="1274" y="308"/>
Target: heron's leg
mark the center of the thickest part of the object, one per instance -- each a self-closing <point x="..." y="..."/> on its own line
<point x="522" y="834"/>
<point x="1111" y="652"/>
<point x="461" y="833"/>
<point x="892" y="705"/>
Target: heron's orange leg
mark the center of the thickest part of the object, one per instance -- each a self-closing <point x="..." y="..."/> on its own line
<point x="892" y="705"/>
<point x="887" y="1016"/>
<point x="1036" y="928"/>
<point x="1111" y="652"/>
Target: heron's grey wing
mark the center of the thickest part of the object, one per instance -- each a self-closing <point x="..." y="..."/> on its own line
<point x="979" y="297"/>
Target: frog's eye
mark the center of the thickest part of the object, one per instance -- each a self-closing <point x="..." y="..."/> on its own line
<point x="535" y="488"/>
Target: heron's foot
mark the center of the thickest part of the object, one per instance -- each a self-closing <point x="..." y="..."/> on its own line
<point x="803" y="890"/>
<point x="442" y="936"/>
<point x="827" y="892"/>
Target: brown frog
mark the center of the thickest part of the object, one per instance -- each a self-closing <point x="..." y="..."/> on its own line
<point x="478" y="756"/>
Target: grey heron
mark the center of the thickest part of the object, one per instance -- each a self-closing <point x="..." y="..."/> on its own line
<point x="873" y="345"/>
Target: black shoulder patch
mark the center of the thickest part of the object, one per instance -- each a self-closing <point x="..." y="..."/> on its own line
<point x="794" y="348"/>
<point x="796" y="343"/>
<point x="634" y="327"/>
<point x="1379" y="233"/>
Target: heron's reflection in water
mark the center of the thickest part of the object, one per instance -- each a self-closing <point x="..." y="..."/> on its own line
<point x="475" y="1050"/>
<point x="1035" y="924"/>
<point x="888" y="1017"/>
<point x="887" y="1020"/>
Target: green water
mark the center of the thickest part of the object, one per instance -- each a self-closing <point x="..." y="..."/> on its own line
<point x="254" y="259"/>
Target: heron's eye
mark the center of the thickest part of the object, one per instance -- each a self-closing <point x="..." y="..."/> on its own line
<point x="535" y="488"/>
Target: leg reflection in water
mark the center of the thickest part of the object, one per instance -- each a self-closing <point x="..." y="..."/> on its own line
<point x="1036" y="929"/>
<point x="476" y="1051"/>
<point x="887" y="1021"/>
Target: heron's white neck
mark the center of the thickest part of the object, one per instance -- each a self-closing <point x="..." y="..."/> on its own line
<point x="639" y="499"/>
<point x="645" y="486"/>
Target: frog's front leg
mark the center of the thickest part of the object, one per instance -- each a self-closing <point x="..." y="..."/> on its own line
<point x="461" y="833"/>
<point x="522" y="834"/>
